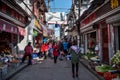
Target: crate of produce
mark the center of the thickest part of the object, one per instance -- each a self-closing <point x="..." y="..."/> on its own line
<point x="102" y="69"/>
<point x="109" y="76"/>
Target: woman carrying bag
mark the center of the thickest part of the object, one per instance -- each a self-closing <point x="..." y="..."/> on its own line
<point x="75" y="55"/>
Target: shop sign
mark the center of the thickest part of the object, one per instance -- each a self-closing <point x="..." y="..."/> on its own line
<point x="35" y="33"/>
<point x="114" y="3"/>
<point x="45" y="33"/>
<point x="21" y="31"/>
<point x="11" y="29"/>
<point x="88" y="19"/>
<point x="8" y="27"/>
<point x="45" y="30"/>
<point x="37" y="24"/>
<point x="4" y="26"/>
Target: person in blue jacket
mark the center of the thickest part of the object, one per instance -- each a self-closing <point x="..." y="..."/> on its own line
<point x="65" y="47"/>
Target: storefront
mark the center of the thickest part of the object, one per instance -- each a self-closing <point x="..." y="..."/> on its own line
<point x="107" y="19"/>
<point x="91" y="37"/>
<point x="37" y="38"/>
<point x="45" y="32"/>
<point x="8" y="35"/>
<point x="113" y="22"/>
<point x="89" y="31"/>
<point x="37" y="34"/>
<point x="90" y="40"/>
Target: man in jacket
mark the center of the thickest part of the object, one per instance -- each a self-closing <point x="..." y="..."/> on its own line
<point x="28" y="52"/>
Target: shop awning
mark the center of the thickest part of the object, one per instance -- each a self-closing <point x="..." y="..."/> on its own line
<point x="86" y="29"/>
<point x="36" y="23"/>
<point x="39" y="31"/>
<point x="102" y="17"/>
<point x="113" y="19"/>
<point x="8" y="27"/>
<point x="45" y="31"/>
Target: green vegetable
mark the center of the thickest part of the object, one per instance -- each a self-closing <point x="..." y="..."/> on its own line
<point x="116" y="58"/>
<point x="103" y="68"/>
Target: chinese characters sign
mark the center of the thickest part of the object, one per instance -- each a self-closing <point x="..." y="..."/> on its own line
<point x="114" y="3"/>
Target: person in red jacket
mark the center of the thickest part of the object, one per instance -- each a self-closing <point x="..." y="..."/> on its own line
<point x="28" y="52"/>
<point x="55" y="52"/>
<point x="44" y="49"/>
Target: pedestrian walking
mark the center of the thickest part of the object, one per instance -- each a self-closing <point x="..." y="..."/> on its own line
<point x="55" y="52"/>
<point x="50" y="49"/>
<point x="75" y="54"/>
<point x="61" y="52"/>
<point x="44" y="49"/>
<point x="28" y="52"/>
<point x="65" y="46"/>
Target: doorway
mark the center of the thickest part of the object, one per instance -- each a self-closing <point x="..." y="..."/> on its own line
<point x="105" y="55"/>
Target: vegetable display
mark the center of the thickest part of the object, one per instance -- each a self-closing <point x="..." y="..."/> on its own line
<point x="116" y="58"/>
<point x="103" y="68"/>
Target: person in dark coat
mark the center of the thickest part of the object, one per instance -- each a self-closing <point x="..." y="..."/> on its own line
<point x="28" y="52"/>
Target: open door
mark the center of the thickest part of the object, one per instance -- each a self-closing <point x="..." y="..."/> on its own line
<point x="105" y="54"/>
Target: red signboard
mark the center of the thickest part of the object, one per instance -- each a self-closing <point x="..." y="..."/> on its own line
<point x="88" y="19"/>
<point x="8" y="27"/>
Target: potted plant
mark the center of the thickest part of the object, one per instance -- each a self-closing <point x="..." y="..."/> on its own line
<point x="116" y="59"/>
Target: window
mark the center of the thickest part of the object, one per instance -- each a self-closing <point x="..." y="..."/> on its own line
<point x="3" y="8"/>
<point x="23" y="20"/>
<point x="12" y="13"/>
<point x="0" y="6"/>
<point x="20" y="18"/>
<point x="16" y="16"/>
<point x="8" y="11"/>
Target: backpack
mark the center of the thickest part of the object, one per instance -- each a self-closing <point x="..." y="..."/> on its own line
<point x="76" y="49"/>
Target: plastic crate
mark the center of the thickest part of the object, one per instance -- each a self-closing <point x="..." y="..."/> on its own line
<point x="34" y="55"/>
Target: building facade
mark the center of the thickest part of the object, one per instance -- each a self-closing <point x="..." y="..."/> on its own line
<point x="36" y="29"/>
<point x="13" y="22"/>
<point x="100" y="26"/>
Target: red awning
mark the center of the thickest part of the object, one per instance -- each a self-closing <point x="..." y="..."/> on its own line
<point x="8" y="27"/>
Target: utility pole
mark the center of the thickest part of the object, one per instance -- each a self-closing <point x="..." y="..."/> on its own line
<point x="79" y="8"/>
<point x="48" y="5"/>
<point x="78" y="23"/>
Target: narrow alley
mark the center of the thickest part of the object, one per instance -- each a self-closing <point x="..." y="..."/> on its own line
<point x="88" y="30"/>
<point x="47" y="70"/>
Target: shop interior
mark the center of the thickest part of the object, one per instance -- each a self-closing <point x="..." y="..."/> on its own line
<point x="91" y="40"/>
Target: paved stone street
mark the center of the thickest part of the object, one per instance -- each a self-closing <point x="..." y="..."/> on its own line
<point x="47" y="70"/>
